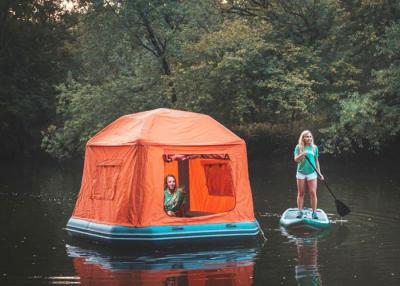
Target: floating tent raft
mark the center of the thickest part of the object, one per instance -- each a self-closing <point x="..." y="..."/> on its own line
<point x="121" y="196"/>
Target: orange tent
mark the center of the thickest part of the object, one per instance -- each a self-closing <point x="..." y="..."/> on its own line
<point x="126" y="163"/>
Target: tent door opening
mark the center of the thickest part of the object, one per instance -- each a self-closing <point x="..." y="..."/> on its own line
<point x="206" y="180"/>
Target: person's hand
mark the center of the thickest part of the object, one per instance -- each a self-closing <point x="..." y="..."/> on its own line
<point x="321" y="177"/>
<point x="171" y="213"/>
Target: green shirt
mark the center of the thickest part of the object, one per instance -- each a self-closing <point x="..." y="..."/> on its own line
<point x="172" y="202"/>
<point x="303" y="166"/>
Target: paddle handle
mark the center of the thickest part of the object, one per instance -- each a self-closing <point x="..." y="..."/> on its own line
<point x="326" y="185"/>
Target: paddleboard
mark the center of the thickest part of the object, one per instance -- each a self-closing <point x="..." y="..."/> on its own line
<point x="306" y="222"/>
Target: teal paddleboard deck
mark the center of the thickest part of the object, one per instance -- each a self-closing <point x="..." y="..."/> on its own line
<point x="306" y="222"/>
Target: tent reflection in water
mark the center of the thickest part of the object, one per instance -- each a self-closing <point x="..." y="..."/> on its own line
<point x="233" y="266"/>
<point x="121" y="196"/>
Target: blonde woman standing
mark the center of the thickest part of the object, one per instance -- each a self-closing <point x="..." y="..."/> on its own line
<point x="305" y="172"/>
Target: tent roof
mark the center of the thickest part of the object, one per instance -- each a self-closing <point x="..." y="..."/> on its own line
<point x="165" y="127"/>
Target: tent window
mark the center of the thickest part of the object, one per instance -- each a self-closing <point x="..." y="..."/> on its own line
<point x="218" y="179"/>
<point x="105" y="179"/>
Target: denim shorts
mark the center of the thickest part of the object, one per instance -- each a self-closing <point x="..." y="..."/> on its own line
<point x="308" y="177"/>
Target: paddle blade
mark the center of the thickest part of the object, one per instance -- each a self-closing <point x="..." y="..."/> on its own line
<point x="341" y="208"/>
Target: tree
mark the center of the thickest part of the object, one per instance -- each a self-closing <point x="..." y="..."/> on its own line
<point x="126" y="51"/>
<point x="305" y="22"/>
<point x="371" y="120"/>
<point x="265" y="68"/>
<point x="32" y="59"/>
<point x="241" y="74"/>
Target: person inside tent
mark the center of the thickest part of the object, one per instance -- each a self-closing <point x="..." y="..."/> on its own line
<point x="173" y="196"/>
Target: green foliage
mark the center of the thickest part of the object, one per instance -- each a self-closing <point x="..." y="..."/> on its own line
<point x="305" y="22"/>
<point x="371" y="119"/>
<point x="263" y="69"/>
<point x="266" y="69"/>
<point x="32" y="60"/>
<point x="240" y="75"/>
<point x="125" y="50"/>
<point x="357" y="116"/>
<point x="85" y="109"/>
<point x="266" y="138"/>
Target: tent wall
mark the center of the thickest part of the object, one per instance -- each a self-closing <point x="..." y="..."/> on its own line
<point x="201" y="197"/>
<point x="108" y="175"/>
<point x="137" y="199"/>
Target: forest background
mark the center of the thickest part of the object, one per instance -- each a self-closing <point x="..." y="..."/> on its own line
<point x="265" y="69"/>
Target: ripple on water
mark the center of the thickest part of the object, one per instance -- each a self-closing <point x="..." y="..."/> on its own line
<point x="58" y="280"/>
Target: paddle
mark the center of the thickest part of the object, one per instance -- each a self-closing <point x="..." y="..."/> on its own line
<point x="341" y="208"/>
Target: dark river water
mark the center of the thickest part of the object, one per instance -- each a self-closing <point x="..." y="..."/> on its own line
<point x="36" y="200"/>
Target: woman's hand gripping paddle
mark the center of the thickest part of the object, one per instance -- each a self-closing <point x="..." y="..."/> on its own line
<point x="341" y="208"/>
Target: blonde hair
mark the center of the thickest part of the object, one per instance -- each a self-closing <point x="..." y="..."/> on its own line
<point x="301" y="141"/>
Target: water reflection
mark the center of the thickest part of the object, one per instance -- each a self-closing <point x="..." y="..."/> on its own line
<point x="233" y="266"/>
<point x="306" y="269"/>
<point x="307" y="265"/>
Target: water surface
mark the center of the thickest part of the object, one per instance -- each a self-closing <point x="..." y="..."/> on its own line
<point x="36" y="201"/>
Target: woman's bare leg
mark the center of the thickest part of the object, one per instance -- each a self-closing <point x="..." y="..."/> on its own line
<point x="300" y="193"/>
<point x="312" y="189"/>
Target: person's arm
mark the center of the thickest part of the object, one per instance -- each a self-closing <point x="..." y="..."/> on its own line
<point x="319" y="169"/>
<point x="177" y="156"/>
<point x="299" y="156"/>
